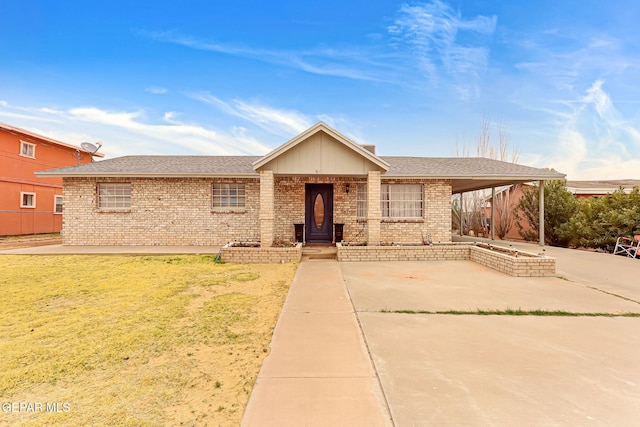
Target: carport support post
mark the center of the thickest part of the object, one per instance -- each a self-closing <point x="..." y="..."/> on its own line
<point x="374" y="213"/>
<point x="461" y="215"/>
<point x="541" y="212"/>
<point x="493" y="211"/>
<point x="267" y="207"/>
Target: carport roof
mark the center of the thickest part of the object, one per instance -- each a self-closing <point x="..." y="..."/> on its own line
<point x="467" y="174"/>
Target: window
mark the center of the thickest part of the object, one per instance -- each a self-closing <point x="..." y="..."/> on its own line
<point x="114" y="196"/>
<point x="228" y="195"/>
<point x="57" y="204"/>
<point x="361" y="201"/>
<point x="27" y="150"/>
<point x="401" y="200"/>
<point x="28" y="200"/>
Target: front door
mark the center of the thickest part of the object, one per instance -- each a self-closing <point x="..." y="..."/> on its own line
<point x="318" y="215"/>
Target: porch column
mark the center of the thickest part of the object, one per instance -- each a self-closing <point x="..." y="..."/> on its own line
<point x="267" y="208"/>
<point x="541" y="212"/>
<point x="374" y="213"/>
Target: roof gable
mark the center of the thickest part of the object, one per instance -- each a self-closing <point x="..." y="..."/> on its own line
<point x="321" y="150"/>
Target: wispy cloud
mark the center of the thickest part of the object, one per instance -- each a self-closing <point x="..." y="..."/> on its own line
<point x="357" y="64"/>
<point x="596" y="140"/>
<point x="274" y="120"/>
<point x="435" y="33"/>
<point x="130" y="132"/>
<point x="157" y="90"/>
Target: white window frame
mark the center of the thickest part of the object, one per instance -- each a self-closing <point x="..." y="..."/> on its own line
<point x="29" y="148"/>
<point x="228" y="195"/>
<point x="361" y="201"/>
<point x="33" y="200"/>
<point x="114" y="195"/>
<point x="402" y="201"/>
<point x="55" y="204"/>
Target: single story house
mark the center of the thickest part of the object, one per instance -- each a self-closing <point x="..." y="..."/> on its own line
<point x="317" y="179"/>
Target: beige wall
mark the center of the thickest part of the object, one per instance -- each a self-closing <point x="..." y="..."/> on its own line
<point x="172" y="211"/>
<point x="164" y="211"/>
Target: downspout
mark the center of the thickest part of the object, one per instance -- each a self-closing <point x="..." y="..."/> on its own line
<point x="541" y="212"/>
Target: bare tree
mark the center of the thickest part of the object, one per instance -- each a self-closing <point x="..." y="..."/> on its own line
<point x="477" y="203"/>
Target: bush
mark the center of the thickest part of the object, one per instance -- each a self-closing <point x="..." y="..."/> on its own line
<point x="600" y="221"/>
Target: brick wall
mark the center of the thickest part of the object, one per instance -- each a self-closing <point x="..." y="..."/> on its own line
<point x="289" y="205"/>
<point x="436" y="221"/>
<point x="177" y="211"/>
<point x="451" y="252"/>
<point x="289" y="208"/>
<point x="261" y="255"/>
<point x="522" y="266"/>
<point x="164" y="211"/>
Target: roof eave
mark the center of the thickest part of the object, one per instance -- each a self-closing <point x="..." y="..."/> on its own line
<point x="146" y="175"/>
<point x="522" y="178"/>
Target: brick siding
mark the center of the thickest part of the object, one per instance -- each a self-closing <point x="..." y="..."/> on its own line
<point x="522" y="266"/>
<point x="261" y="255"/>
<point x="177" y="211"/>
<point x="164" y="211"/>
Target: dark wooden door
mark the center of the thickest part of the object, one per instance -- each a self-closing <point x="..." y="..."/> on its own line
<point x="319" y="212"/>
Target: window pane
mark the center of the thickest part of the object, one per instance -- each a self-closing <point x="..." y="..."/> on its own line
<point x="228" y="194"/>
<point x="401" y="200"/>
<point x="58" y="205"/>
<point x="361" y="200"/>
<point x="112" y="196"/>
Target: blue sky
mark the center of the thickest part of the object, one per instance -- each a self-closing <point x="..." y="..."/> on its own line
<point x="413" y="78"/>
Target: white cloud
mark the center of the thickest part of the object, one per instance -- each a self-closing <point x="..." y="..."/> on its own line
<point x="432" y="31"/>
<point x="595" y="141"/>
<point x="281" y="122"/>
<point x="156" y="90"/>
<point x="126" y="132"/>
<point x="350" y="63"/>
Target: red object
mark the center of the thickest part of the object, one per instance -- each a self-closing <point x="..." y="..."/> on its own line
<point x="28" y="203"/>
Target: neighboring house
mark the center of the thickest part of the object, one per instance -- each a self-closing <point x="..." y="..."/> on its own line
<point x="580" y="189"/>
<point x="584" y="189"/>
<point x="318" y="179"/>
<point x="30" y="204"/>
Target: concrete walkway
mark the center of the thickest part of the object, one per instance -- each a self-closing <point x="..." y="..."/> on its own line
<point x="319" y="372"/>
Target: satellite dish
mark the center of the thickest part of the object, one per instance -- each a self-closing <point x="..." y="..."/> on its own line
<point x="89" y="147"/>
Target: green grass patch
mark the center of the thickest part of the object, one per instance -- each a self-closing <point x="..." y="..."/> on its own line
<point x="111" y="335"/>
<point x="513" y="312"/>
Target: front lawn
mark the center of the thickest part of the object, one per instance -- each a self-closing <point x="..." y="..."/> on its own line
<point x="133" y="340"/>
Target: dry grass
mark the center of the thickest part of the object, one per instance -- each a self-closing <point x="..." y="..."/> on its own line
<point x="134" y="341"/>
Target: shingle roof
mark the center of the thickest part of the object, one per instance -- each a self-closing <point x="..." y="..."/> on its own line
<point x="168" y="166"/>
<point x="467" y="174"/>
<point x="462" y="167"/>
<point x="242" y="165"/>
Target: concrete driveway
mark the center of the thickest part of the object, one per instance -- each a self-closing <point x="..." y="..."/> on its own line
<point x="469" y="369"/>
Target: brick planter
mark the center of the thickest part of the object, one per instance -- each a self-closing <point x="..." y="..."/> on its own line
<point x="260" y="255"/>
<point x="524" y="265"/>
<point x="449" y="252"/>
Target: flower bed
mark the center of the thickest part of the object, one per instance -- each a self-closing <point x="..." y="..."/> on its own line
<point x="514" y="263"/>
<point x="253" y="253"/>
